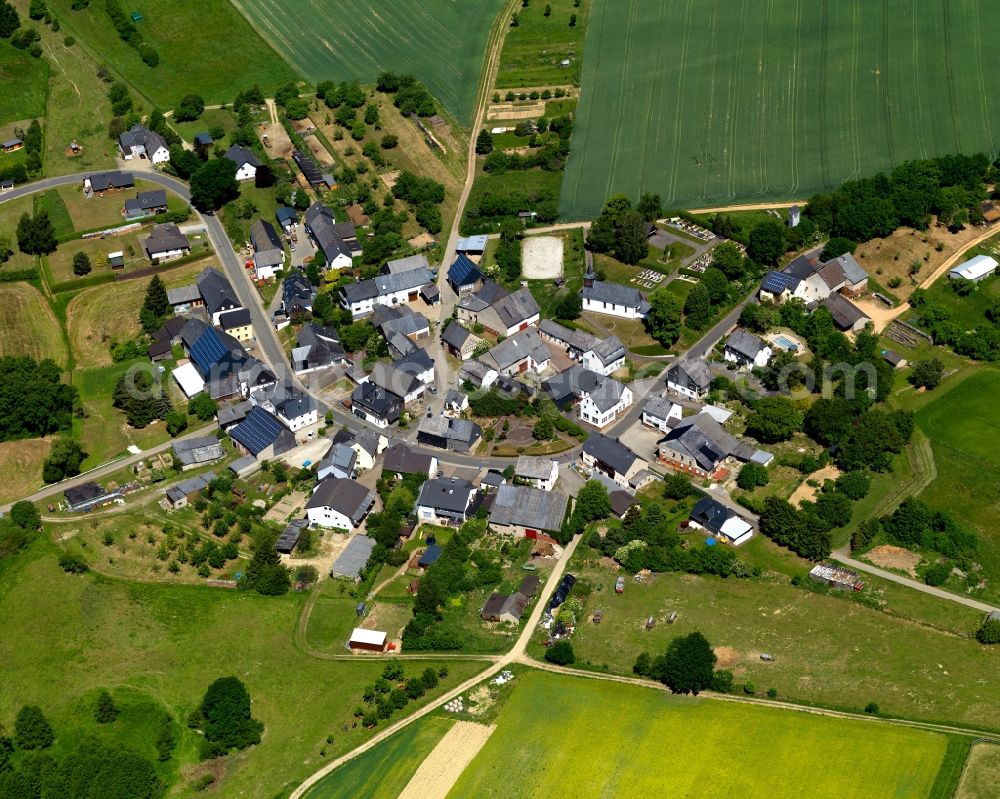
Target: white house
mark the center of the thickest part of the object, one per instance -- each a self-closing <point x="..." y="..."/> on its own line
<point x="661" y="413"/>
<point x="246" y="162"/>
<point x="603" y="356"/>
<point x="975" y="269"/>
<point x="367" y="445"/>
<point x="745" y="349"/>
<point x="540" y="473"/>
<point x="602" y="404"/>
<point x="394" y="289"/>
<point x="714" y="517"/>
<point x="689" y="378"/>
<point x="140" y="142"/>
<point x="613" y="299"/>
<point x="339" y="503"/>
<point x="294" y="410"/>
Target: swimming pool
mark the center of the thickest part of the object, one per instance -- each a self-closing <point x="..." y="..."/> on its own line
<point x="786" y="343"/>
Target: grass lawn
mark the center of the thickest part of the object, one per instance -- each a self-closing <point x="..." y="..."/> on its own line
<point x="824" y="646"/>
<point x="713" y="102"/>
<point x="75" y="635"/>
<point x="389" y="34"/>
<point x="10" y="212"/>
<point x="21" y="467"/>
<point x="962" y="421"/>
<point x="210" y="118"/>
<point x="632" y="332"/>
<point x="77" y="107"/>
<point x="979" y="780"/>
<point x="532" y="51"/>
<point x="27" y="324"/>
<point x="101" y="212"/>
<point x="61" y="261"/>
<point x="966" y="312"/>
<point x="24" y="80"/>
<point x="575" y="737"/>
<point x="52" y="202"/>
<point x="213" y="29"/>
<point x="383" y="771"/>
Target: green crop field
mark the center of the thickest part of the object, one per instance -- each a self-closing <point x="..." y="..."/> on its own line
<point x="442" y="42"/>
<point x="67" y="637"/>
<point x="383" y="771"/>
<point x="205" y="48"/>
<point x="720" y="101"/>
<point x="24" y="82"/>
<point x="570" y="736"/>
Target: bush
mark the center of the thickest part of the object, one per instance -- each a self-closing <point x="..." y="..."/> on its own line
<point x="560" y="653"/>
<point x="224" y="716"/>
<point x="937" y="574"/>
<point x="989" y="633"/>
<point x="871" y="709"/>
<point x="751" y="476"/>
<point x="72" y="564"/>
<point x="31" y="729"/>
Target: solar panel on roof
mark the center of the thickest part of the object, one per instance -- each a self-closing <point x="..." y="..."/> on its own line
<point x="463" y="270"/>
<point x="208" y="350"/>
<point x="257" y="431"/>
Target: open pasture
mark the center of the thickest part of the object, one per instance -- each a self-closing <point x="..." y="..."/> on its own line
<point x="24" y="80"/>
<point x="27" y="324"/>
<point x="711" y="102"/>
<point x="205" y="48"/>
<point x="442" y="42"/>
<point x="572" y="736"/>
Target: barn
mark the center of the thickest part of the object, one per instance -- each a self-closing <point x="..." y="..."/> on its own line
<point x="367" y="641"/>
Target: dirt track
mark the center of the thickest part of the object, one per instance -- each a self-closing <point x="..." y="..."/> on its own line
<point x="441" y="769"/>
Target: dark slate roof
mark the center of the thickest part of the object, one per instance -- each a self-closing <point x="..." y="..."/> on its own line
<point x="703" y="439"/>
<point x="203" y="139"/>
<point x="517" y="307"/>
<point x="159" y="348"/>
<point x="610" y="452"/>
<point x="312" y="172"/>
<point x="164" y="238"/>
<point x="111" y="180"/>
<point x="259" y="430"/>
<point x="844" y="312"/>
<point x="455" y="335"/>
<point x="147" y="201"/>
<point x="233" y="413"/>
<point x="613" y="293"/>
<point x="525" y="343"/>
<point x="198" y="450"/>
<point x="141" y="136"/>
<point x="333" y="239"/>
<point x="241" y="155"/>
<point x="296" y="291"/>
<point x="237" y="318"/>
<point x="346" y="496"/>
<point x="183" y="294"/>
<point x="711" y="514"/>
<point x="778" y="282"/>
<point x="285" y="214"/>
<point x="216" y="291"/>
<point x="463" y="272"/>
<point x="803" y="266"/>
<point x="357" y="292"/>
<point x="447" y="493"/>
<point x="621" y="501"/>
<point x="401" y="281"/>
<point x="696" y="371"/>
<point x="264" y="236"/>
<point x="528" y="507"/>
<point x="381" y="403"/>
<point x="451" y="429"/>
<point x="744" y="343"/>
<point x="290" y="536"/>
<point x="398" y="381"/>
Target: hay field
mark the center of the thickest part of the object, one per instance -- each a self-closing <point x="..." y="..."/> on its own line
<point x="571" y="736"/>
<point x="720" y="101"/>
<point x="21" y="467"/>
<point x="442" y="42"/>
<point x="27" y="324"/>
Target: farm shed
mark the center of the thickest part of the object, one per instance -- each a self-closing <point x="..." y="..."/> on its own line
<point x="837" y="576"/>
<point x="290" y="536"/>
<point x="88" y="496"/>
<point x="367" y="640"/>
<point x="975" y="269"/>
<point x="354" y="558"/>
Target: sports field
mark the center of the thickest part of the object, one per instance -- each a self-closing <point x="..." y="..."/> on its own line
<point x="719" y="100"/>
<point x="570" y="736"/>
<point x="442" y="42"/>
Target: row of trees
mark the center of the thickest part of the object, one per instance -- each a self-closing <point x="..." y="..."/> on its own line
<point x="393" y="691"/>
<point x="129" y="34"/>
<point x="410" y="96"/>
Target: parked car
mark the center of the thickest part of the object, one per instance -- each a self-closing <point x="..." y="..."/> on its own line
<point x="766" y="657"/>
<point x="432" y="388"/>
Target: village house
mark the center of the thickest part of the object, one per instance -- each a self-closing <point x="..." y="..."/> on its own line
<point x="478" y="374"/>
<point x="410" y="262"/>
<point x="361" y="298"/>
<point x="262" y="435"/>
<point x="541" y="473"/>
<point x="445" y="500"/>
<point x="186" y="491"/>
<point x="339" y="461"/>
<point x="297" y="294"/>
<point x="107" y="183"/>
<point x="269" y="252"/>
<point x="613" y="459"/>
<point x="501" y="312"/>
<point x="525" y="511"/>
<point x="376" y="405"/>
<point x="295" y="410"/>
<point x="697" y="445"/>
<point x="464" y="276"/>
<point x="146" y="203"/>
<point x="510" y="609"/>
<point x="601" y="398"/>
<point x="287" y="218"/>
<point x="246" y="162"/>
<point x="339" y="503"/>
<point x="722" y="522"/>
<point x="165" y="243"/>
<point x="522" y="352"/>
<point x="237" y="323"/>
<point x="367" y="445"/>
<point x="318" y="348"/>
<point x="603" y="356"/>
<point x="746" y="349"/>
<point x="661" y="413"/>
<point x="337" y="240"/>
<point x="140" y="142"/>
<point x="456" y="435"/>
<point x="401" y="459"/>
<point x="183" y="298"/>
<point x="459" y="342"/>
<point x="217" y="293"/>
<point x="400" y="320"/>
<point x="402" y="383"/>
<point x="690" y="378"/>
<point x="847" y="316"/>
